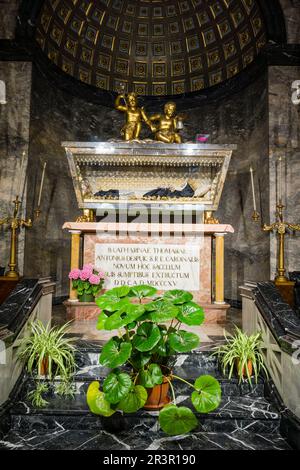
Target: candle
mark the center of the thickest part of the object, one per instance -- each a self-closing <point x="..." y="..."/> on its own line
<point x="280" y="181"/>
<point x="20" y="178"/>
<point x="42" y="184"/>
<point x="253" y="191"/>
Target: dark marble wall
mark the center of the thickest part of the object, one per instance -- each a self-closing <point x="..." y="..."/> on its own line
<point x="14" y="135"/>
<point x="241" y="119"/>
<point x="57" y="116"/>
<point x="284" y="131"/>
<point x="8" y="18"/>
<point x="14" y="128"/>
<point x="291" y="10"/>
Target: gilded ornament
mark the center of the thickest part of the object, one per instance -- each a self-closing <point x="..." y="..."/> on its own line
<point x="134" y="115"/>
<point x="167" y="125"/>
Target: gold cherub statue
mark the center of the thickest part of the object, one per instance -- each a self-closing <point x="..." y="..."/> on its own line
<point x="168" y="125"/>
<point x="134" y="115"/>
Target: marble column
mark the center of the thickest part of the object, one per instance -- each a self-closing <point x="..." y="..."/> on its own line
<point x="75" y="259"/>
<point x="219" y="281"/>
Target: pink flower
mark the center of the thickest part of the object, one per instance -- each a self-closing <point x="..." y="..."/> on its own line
<point x="89" y="268"/>
<point x="95" y="280"/>
<point x="101" y="274"/>
<point x="85" y="274"/>
<point x="74" y="274"/>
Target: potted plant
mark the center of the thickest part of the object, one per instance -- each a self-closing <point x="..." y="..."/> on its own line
<point x="241" y="353"/>
<point x="142" y="355"/>
<point x="47" y="354"/>
<point x="87" y="281"/>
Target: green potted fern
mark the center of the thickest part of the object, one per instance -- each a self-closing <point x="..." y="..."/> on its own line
<point x="241" y="353"/>
<point x="142" y="356"/>
<point x="47" y="354"/>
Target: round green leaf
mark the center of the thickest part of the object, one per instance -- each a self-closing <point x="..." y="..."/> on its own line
<point x="163" y="349"/>
<point x="139" y="360"/>
<point x="164" y="311"/>
<point x="116" y="386"/>
<point x="183" y="341"/>
<point x="174" y="420"/>
<point x="208" y="395"/>
<point x="135" y="400"/>
<point x="115" y="354"/>
<point x="142" y="291"/>
<point x="97" y="402"/>
<point x="190" y="314"/>
<point x="111" y="303"/>
<point x="113" y="299"/>
<point x="151" y="376"/>
<point x="126" y="315"/>
<point x="101" y="321"/>
<point x="178" y="297"/>
<point x="146" y="337"/>
<point x="119" y="291"/>
<point x="150" y="306"/>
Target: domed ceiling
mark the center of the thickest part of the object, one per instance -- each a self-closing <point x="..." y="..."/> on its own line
<point x="152" y="47"/>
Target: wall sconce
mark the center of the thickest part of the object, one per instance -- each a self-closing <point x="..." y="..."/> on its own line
<point x="2" y="92"/>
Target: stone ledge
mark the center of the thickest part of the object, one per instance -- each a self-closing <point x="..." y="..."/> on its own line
<point x="84" y="311"/>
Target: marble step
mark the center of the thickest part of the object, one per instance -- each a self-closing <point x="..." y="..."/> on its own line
<point x="245" y="419"/>
<point x="230" y="407"/>
<point x="139" y="438"/>
<point x="231" y="391"/>
<point x="229" y="387"/>
<point x="187" y="366"/>
<point x="46" y="420"/>
<point x="194" y="361"/>
<point x="235" y="412"/>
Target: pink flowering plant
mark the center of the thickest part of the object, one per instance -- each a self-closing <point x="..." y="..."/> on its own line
<point x="87" y="280"/>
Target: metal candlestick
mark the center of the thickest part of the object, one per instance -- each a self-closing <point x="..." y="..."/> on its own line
<point x="15" y="223"/>
<point x="255" y="216"/>
<point x="282" y="228"/>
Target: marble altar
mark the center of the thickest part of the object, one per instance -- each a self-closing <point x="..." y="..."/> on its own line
<point x="158" y="185"/>
<point x="157" y="254"/>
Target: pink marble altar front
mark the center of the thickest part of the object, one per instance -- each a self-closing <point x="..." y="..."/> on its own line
<point x="198" y="236"/>
<point x="201" y="243"/>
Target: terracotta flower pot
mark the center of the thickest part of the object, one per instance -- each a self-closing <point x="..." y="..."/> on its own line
<point x="158" y="396"/>
<point x="44" y="367"/>
<point x="244" y="372"/>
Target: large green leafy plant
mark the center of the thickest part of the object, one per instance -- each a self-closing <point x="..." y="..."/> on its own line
<point x="150" y="336"/>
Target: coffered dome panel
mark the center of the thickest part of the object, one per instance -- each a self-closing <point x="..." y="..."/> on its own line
<point x="152" y="47"/>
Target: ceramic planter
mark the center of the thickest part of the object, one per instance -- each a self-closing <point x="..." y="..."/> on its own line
<point x="158" y="396"/>
<point x="86" y="298"/>
<point x="244" y="372"/>
<point x="44" y="367"/>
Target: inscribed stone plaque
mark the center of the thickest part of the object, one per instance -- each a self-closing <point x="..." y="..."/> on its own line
<point x="165" y="266"/>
